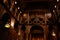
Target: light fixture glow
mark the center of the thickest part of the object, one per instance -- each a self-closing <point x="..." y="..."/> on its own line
<point x="57" y="0"/>
<point x="55" y="6"/>
<point x="53" y="10"/>
<point x="53" y="34"/>
<point x="25" y="15"/>
<point x="20" y="11"/>
<point x="12" y="23"/>
<point x="49" y="15"/>
<point x="18" y="7"/>
<point x="4" y="1"/>
<point x="19" y="33"/>
<point x="15" y="2"/>
<point x="7" y="26"/>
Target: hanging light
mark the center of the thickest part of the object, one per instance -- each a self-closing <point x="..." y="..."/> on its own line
<point x="24" y="15"/>
<point x="53" y="34"/>
<point x="18" y="7"/>
<point x="57" y="0"/>
<point x="53" y="10"/>
<point x="7" y="25"/>
<point x="20" y="11"/>
<point x="55" y="6"/>
<point x="12" y="22"/>
<point x="15" y="2"/>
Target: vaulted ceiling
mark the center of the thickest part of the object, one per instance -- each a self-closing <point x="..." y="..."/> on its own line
<point x="29" y="5"/>
<point x="38" y="4"/>
<point x="37" y="0"/>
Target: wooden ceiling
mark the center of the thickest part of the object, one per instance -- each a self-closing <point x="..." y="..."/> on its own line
<point x="37" y="4"/>
<point x="37" y="0"/>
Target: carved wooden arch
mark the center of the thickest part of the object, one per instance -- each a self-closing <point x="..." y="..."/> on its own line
<point x="35" y="27"/>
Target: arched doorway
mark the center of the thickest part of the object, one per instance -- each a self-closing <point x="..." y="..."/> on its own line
<point x="36" y="33"/>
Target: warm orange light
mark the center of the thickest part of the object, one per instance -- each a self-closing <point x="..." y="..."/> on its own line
<point x="19" y="33"/>
<point x="25" y="15"/>
<point x="12" y="23"/>
<point x="48" y="15"/>
<point x="5" y="1"/>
